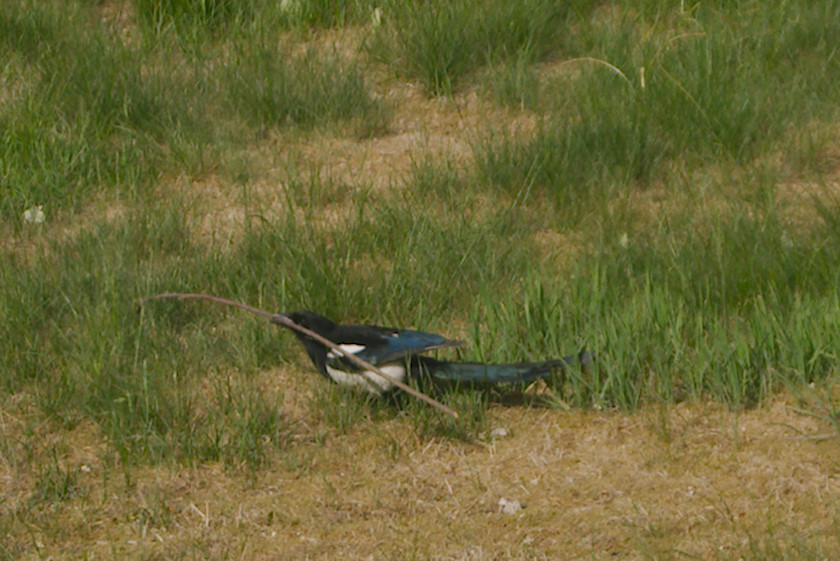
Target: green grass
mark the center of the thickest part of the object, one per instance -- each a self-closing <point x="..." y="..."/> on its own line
<point x="194" y="20"/>
<point x="88" y="113"/>
<point x="631" y="105"/>
<point x="195" y="24"/>
<point x="731" y="314"/>
<point x="80" y="114"/>
<point x="122" y="117"/>
<point x="723" y="291"/>
<point x="440" y="43"/>
<point x="270" y="88"/>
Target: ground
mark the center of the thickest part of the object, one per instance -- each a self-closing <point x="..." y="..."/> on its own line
<point x="692" y="480"/>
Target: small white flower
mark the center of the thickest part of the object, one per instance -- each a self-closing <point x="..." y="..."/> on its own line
<point x="376" y="17"/>
<point x="34" y="215"/>
<point x="624" y="240"/>
<point x="642" y="76"/>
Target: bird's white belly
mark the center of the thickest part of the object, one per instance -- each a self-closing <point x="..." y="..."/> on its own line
<point x="367" y="380"/>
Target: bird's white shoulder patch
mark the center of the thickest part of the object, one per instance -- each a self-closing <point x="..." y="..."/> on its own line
<point x="369" y="381"/>
<point x="350" y="348"/>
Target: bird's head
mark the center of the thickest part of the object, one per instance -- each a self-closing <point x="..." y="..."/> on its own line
<point x="310" y="320"/>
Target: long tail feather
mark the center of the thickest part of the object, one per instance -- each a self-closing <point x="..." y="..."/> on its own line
<point x="478" y="373"/>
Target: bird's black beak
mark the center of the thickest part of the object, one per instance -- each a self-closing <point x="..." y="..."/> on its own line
<point x="279" y="319"/>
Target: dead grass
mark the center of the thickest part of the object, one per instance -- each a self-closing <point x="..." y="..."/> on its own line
<point x="119" y="15"/>
<point x="693" y="478"/>
<point x="420" y="128"/>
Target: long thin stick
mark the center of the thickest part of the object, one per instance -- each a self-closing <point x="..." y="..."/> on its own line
<point x="283" y="320"/>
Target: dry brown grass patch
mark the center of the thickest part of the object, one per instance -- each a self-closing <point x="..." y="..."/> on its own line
<point x="691" y="478"/>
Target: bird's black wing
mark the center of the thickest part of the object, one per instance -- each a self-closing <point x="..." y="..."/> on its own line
<point x="382" y="345"/>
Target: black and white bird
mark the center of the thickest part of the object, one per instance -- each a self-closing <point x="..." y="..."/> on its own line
<point x="397" y="353"/>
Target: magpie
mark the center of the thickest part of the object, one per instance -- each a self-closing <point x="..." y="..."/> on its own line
<point x="397" y="353"/>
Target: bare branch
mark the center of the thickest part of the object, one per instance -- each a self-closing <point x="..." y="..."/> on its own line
<point x="280" y="319"/>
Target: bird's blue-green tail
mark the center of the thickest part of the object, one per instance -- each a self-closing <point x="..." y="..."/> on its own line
<point x="479" y="373"/>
